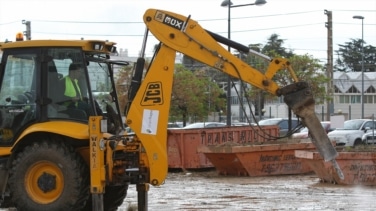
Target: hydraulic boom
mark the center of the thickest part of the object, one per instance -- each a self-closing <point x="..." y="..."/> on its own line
<point x="178" y="33"/>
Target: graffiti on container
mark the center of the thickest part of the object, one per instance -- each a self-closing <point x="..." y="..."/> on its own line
<point x="217" y="138"/>
<point x="364" y="173"/>
<point x="283" y="163"/>
<point x="237" y="135"/>
<point x="354" y="167"/>
<point x="281" y="167"/>
<point x="271" y="158"/>
<point x="243" y="137"/>
<point x="289" y="157"/>
<point x="365" y="177"/>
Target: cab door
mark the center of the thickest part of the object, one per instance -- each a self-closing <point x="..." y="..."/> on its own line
<point x="17" y="92"/>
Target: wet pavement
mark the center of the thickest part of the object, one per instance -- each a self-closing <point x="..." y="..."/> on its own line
<point x="209" y="191"/>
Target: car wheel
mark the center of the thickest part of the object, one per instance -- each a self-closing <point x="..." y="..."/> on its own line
<point x="358" y="142"/>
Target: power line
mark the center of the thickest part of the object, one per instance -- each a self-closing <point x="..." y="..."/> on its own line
<point x="12" y="22"/>
<point x="91" y="22"/>
<point x="140" y="22"/>
<point x="135" y="35"/>
<point x="215" y="19"/>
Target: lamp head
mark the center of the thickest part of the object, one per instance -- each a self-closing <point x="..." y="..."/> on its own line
<point x="226" y="3"/>
<point x="260" y="2"/>
<point x="358" y="17"/>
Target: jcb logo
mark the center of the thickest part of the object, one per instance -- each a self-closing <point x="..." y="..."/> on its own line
<point x="169" y="20"/>
<point x="153" y="94"/>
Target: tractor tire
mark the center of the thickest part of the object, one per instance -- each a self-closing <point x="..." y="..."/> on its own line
<point x="112" y="199"/>
<point x="49" y="176"/>
<point x="6" y="203"/>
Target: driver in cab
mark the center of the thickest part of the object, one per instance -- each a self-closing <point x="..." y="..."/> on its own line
<point x="72" y="93"/>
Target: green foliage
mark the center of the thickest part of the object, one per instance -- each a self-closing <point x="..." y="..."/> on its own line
<point x="123" y="79"/>
<point x="193" y="95"/>
<point x="305" y="67"/>
<point x="350" y="57"/>
<point x="310" y="70"/>
<point x="274" y="47"/>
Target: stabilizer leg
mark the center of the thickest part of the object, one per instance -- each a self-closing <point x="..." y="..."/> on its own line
<point x="97" y="202"/>
<point x="142" y="196"/>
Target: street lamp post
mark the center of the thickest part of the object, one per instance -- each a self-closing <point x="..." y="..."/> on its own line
<point x="229" y="5"/>
<point x="362" y="97"/>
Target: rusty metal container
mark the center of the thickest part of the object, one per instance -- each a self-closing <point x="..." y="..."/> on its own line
<point x="274" y="158"/>
<point x="358" y="167"/>
<point x="182" y="144"/>
<point x="182" y="150"/>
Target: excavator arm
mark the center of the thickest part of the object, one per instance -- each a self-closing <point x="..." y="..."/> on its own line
<point x="149" y="109"/>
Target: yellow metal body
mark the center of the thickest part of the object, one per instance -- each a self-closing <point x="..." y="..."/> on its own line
<point x="35" y="172"/>
<point x="95" y="46"/>
<point x="148" y="114"/>
<point x="194" y="41"/>
<point x="144" y="156"/>
<point x="97" y="155"/>
<point x="76" y="130"/>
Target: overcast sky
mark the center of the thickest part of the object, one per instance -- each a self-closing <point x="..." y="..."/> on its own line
<point x="301" y="23"/>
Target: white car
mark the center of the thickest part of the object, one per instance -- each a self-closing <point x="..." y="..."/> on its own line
<point x="205" y="125"/>
<point x="304" y="133"/>
<point x="283" y="124"/>
<point x="352" y="132"/>
<point x="369" y="137"/>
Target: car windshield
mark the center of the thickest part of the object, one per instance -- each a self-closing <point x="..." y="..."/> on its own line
<point x="353" y="124"/>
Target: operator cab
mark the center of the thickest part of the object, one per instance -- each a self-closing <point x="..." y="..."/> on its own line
<point x="33" y="86"/>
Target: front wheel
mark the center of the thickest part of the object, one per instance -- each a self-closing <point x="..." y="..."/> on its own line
<point x="49" y="176"/>
<point x="358" y="142"/>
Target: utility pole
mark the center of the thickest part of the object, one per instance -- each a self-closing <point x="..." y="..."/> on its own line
<point x="27" y="33"/>
<point x="329" y="68"/>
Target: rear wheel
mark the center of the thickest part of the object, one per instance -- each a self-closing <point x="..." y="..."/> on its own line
<point x="6" y="202"/>
<point x="49" y="176"/>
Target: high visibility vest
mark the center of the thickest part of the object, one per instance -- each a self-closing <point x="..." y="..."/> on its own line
<point x="70" y="91"/>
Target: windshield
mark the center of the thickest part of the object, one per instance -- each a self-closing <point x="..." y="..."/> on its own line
<point x="353" y="124"/>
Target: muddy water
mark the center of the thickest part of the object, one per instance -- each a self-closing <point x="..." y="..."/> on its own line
<point x="209" y="191"/>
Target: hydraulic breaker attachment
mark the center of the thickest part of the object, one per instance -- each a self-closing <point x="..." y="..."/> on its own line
<point x="298" y="97"/>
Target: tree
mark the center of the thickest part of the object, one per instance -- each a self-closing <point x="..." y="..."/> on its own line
<point x="305" y="66"/>
<point x="274" y="46"/>
<point x="310" y="70"/>
<point x="192" y="94"/>
<point x="123" y="79"/>
<point x="350" y="57"/>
